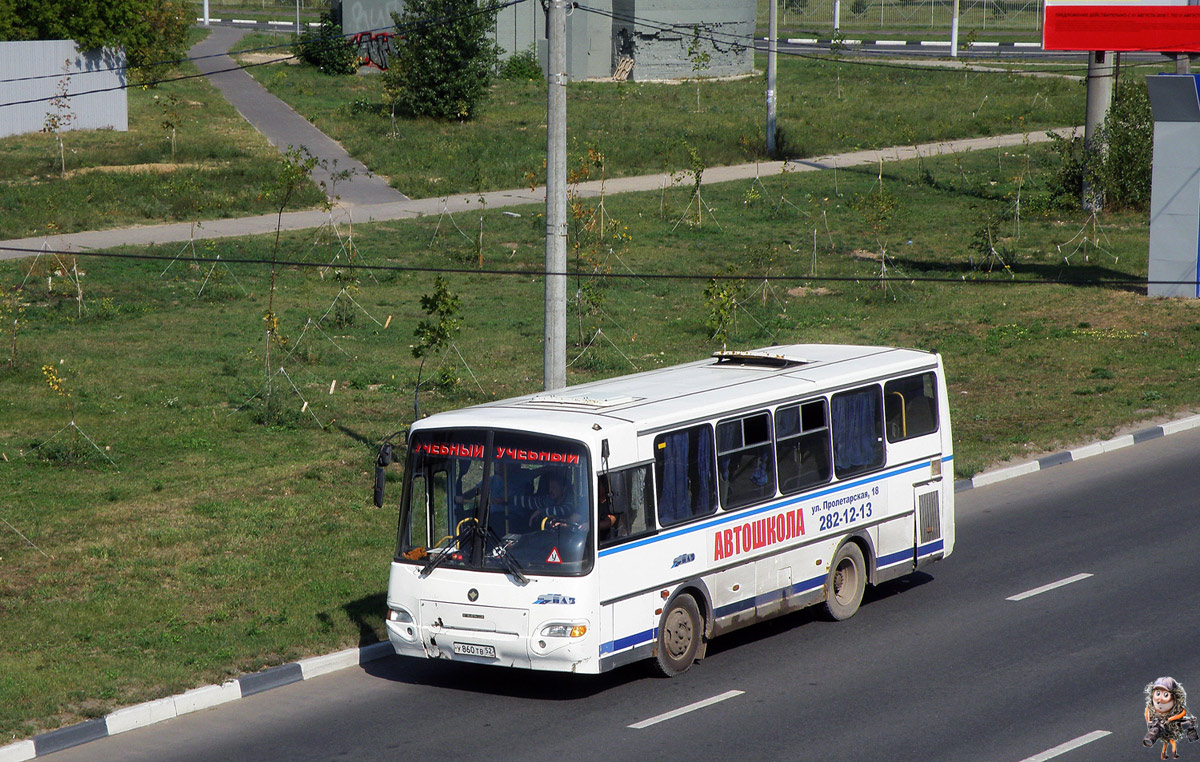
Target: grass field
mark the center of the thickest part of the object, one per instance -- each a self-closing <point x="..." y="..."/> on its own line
<point x="183" y="533"/>
<point x="220" y="167"/>
<point x="823" y="106"/>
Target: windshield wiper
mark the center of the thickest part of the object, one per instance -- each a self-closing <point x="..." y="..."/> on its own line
<point x="510" y="563"/>
<point x="468" y="527"/>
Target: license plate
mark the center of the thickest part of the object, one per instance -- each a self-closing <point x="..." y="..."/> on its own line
<point x="471" y="649"/>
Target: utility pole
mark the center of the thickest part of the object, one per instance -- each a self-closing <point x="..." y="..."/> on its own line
<point x="205" y="12"/>
<point x="555" y="357"/>
<point x="954" y="31"/>
<point x="772" y="51"/>
<point x="1099" y="99"/>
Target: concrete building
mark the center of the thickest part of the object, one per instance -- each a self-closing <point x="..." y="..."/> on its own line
<point x="654" y="34"/>
<point x="36" y="72"/>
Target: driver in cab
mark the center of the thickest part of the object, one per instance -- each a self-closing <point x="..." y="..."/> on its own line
<point x="553" y="506"/>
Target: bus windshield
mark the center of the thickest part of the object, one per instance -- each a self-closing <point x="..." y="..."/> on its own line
<point x="502" y="501"/>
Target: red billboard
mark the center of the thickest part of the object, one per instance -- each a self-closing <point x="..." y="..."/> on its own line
<point x="1124" y="25"/>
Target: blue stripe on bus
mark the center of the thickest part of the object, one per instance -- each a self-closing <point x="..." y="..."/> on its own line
<point x="648" y="636"/>
<point x="760" y="600"/>
<point x="741" y="516"/>
<point x="894" y="558"/>
<point x="620" y="644"/>
<point x="932" y="547"/>
<point x="751" y="602"/>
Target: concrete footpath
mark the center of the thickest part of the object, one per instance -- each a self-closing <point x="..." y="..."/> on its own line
<point x="159" y="710"/>
<point x="412" y="208"/>
<point x="282" y="126"/>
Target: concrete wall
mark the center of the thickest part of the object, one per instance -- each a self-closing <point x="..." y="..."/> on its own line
<point x="38" y="71"/>
<point x="597" y="41"/>
<point x="367" y="15"/>
<point x="518" y="29"/>
<point x="659" y="38"/>
<point x="1175" y="186"/>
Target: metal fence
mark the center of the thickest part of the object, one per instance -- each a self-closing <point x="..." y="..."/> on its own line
<point x="980" y="16"/>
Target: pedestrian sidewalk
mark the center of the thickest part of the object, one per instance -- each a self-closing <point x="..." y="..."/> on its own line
<point x="282" y="126"/>
<point x="411" y="208"/>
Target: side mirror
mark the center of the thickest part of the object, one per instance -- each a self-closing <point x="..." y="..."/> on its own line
<point x="382" y="461"/>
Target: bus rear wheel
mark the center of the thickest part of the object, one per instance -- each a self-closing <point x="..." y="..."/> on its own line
<point x="679" y="634"/>
<point x="846" y="583"/>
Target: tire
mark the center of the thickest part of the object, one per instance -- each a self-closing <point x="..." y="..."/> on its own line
<point x="846" y="583"/>
<point x="679" y="636"/>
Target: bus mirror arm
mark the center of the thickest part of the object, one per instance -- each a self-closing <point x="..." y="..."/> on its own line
<point x="382" y="461"/>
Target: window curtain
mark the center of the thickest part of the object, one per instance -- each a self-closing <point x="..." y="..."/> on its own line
<point x="672" y="506"/>
<point x="854" y="436"/>
<point x="704" y="467"/>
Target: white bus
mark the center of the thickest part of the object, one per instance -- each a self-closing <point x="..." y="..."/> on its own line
<point x="638" y="517"/>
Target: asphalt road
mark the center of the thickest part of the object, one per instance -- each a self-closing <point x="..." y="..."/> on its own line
<point x="938" y="666"/>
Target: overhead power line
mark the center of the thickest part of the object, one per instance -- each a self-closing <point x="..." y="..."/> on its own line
<point x="965" y="279"/>
<point x="342" y="40"/>
<point x="716" y="37"/>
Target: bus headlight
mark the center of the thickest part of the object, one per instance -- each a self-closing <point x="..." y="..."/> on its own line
<point x="403" y="624"/>
<point x="564" y="630"/>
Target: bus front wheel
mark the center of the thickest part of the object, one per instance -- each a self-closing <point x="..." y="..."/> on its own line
<point x="846" y="583"/>
<point x="679" y="634"/>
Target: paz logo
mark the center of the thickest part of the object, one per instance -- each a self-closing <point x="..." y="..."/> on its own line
<point x="472" y="595"/>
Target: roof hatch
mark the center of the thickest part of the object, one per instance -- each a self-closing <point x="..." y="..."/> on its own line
<point x="758" y="359"/>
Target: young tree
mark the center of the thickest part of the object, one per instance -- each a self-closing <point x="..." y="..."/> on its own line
<point x="326" y="48"/>
<point x="60" y="116"/>
<point x="444" y="58"/>
<point x="437" y="332"/>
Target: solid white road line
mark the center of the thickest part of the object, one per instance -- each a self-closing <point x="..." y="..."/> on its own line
<point x="1045" y="588"/>
<point x="1095" y="735"/>
<point x="684" y="710"/>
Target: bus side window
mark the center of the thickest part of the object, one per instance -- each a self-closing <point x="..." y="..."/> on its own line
<point x="629" y="501"/>
<point x="857" y="418"/>
<point x="745" y="461"/>
<point x="683" y="468"/>
<point x="910" y="407"/>
<point x="802" y="445"/>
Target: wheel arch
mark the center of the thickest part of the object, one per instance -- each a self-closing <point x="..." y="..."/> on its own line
<point x="864" y="543"/>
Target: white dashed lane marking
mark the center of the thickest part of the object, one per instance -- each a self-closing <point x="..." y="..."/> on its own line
<point x="1046" y="588"/>
<point x="1095" y="735"/>
<point x="684" y="710"/>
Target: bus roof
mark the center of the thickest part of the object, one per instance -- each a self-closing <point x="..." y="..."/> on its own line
<point x="713" y="387"/>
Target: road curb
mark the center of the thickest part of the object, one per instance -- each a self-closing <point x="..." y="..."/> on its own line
<point x="1079" y="453"/>
<point x="159" y="710"/>
<point x="151" y="712"/>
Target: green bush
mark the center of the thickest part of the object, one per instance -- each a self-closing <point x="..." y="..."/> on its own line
<point x="1121" y="174"/>
<point x="522" y="65"/>
<point x="1124" y="171"/>
<point x="444" y="58"/>
<point x="326" y="49"/>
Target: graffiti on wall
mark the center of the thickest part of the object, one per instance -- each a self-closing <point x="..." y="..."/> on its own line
<point x="373" y="48"/>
